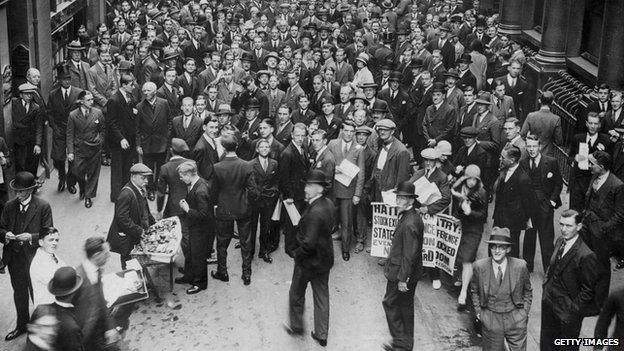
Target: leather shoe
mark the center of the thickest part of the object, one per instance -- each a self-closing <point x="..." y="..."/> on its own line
<point x="211" y="260"/>
<point x="182" y="280"/>
<point x="322" y="342"/>
<point x="220" y="276"/>
<point x="346" y="256"/>
<point x="292" y="331"/>
<point x="61" y="186"/>
<point x="237" y="245"/>
<point x="88" y="203"/>
<point x="14" y="334"/>
<point x="387" y="347"/>
<point x="194" y="290"/>
<point x="246" y="280"/>
<point x="82" y="195"/>
<point x="267" y="258"/>
<point x="71" y="189"/>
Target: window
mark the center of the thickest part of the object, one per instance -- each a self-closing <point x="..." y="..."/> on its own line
<point x="592" y="30"/>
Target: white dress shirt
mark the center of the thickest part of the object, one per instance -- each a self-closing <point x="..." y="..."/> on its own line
<point x="42" y="269"/>
<point x="503" y="266"/>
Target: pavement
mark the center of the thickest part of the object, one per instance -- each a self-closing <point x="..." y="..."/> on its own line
<point x="231" y="316"/>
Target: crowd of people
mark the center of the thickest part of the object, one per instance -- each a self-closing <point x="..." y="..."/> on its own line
<point x="232" y="114"/>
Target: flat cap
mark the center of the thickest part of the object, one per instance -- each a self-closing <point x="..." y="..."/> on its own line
<point x="430" y="154"/>
<point x="327" y="99"/>
<point x="179" y="145"/>
<point x="438" y="88"/>
<point x="364" y="129"/>
<point x="468" y="132"/>
<point x="139" y="168"/>
<point x="27" y="88"/>
<point x="385" y="124"/>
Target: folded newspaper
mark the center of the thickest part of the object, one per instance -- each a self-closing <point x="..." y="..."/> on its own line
<point x="427" y="191"/>
<point x="348" y="171"/>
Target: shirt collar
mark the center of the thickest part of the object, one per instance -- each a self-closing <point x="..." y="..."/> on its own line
<point x="318" y="154"/>
<point x="63" y="304"/>
<point x="503" y="265"/>
<point x="27" y="201"/>
<point x="537" y="159"/>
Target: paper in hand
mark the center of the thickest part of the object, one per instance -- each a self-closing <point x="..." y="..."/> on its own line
<point x="348" y="171"/>
<point x="294" y="215"/>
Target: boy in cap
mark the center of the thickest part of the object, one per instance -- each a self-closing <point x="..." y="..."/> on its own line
<point x="501" y="295"/>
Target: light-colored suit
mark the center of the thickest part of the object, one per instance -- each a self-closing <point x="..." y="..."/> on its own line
<point x="79" y="76"/>
<point x="503" y="108"/>
<point x="478" y="67"/>
<point x="276" y="98"/>
<point x="102" y="84"/>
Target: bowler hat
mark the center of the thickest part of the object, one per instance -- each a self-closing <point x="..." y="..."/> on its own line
<point x="452" y="73"/>
<point x="327" y="99"/>
<point x="170" y="55"/>
<point x="140" y="168"/>
<point x="438" y="88"/>
<point x="23" y="181"/>
<point x="75" y="45"/>
<point x="252" y="103"/>
<point x="416" y="63"/>
<point x="316" y="176"/>
<point x="247" y="56"/>
<point x="179" y="145"/>
<point x="465" y="58"/>
<point x="387" y="37"/>
<point x="387" y="65"/>
<point x="157" y="44"/>
<point x="310" y="25"/>
<point x="395" y="75"/>
<point x="271" y="54"/>
<point x="62" y="72"/>
<point x="64" y="282"/>
<point x="380" y="106"/>
<point x="468" y="132"/>
<point x="446" y="26"/>
<point x="500" y="236"/>
<point x="406" y="188"/>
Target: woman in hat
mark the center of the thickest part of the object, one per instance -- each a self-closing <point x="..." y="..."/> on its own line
<point x="363" y="75"/>
<point x="470" y="206"/>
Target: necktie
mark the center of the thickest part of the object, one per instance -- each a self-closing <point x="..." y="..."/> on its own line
<point x="394" y="94"/>
<point x="23" y="208"/>
<point x="500" y="275"/>
<point x="596" y="183"/>
<point x="65" y="95"/>
<point x="603" y="107"/>
<point x="533" y="163"/>
<point x="345" y="149"/>
<point x="498" y="103"/>
<point x="106" y="70"/>
<point x="99" y="276"/>
<point x="54" y="258"/>
<point x="26" y="106"/>
<point x="187" y="120"/>
<point x="264" y="164"/>
<point x="560" y="251"/>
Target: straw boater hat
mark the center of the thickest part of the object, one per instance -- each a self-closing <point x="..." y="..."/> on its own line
<point x="500" y="236"/>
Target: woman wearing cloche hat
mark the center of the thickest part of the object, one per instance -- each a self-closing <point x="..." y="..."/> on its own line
<point x="470" y="206"/>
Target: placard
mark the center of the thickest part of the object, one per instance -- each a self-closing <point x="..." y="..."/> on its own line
<point x="384" y="221"/>
<point x="441" y="241"/>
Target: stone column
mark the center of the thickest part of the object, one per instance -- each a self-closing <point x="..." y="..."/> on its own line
<point x="511" y="17"/>
<point x="610" y="67"/>
<point x="552" y="50"/>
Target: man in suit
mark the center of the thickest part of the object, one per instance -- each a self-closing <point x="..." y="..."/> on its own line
<point x="205" y="152"/>
<point x="444" y="44"/>
<point x="440" y="118"/>
<point x="153" y="130"/>
<point x="78" y="68"/>
<point x="249" y="129"/>
<point x="263" y="197"/>
<point x="421" y="94"/>
<point x="147" y="69"/>
<point x="22" y="219"/>
<point x="403" y="269"/>
<point x="392" y="162"/>
<point x="614" y="118"/>
<point x="471" y="153"/>
<point x="86" y="130"/>
<point x="97" y="324"/>
<point x="466" y="113"/>
<point x="603" y="223"/>
<point x="546" y="185"/>
<point x="62" y="101"/>
<point x="511" y="131"/>
<point x="322" y="158"/>
<point x="345" y="108"/>
<point x="302" y="113"/>
<point x="275" y="97"/>
<point x="198" y="216"/>
<point x="516" y="86"/>
<point x="503" y="105"/>
<point x="347" y="195"/>
<point x="314" y="257"/>
<point x="545" y="124"/>
<point x="570" y="285"/>
<point x="344" y="70"/>
<point x="132" y="214"/>
<point x="101" y="79"/>
<point x="294" y="91"/>
<point x="398" y="101"/>
<point x="27" y="129"/>
<point x="329" y="122"/>
<point x="187" y="82"/>
<point x="293" y="167"/>
<point x="121" y="116"/>
<point x="466" y="78"/>
<point x="170" y="184"/>
<point x="232" y="183"/>
<point x="454" y="95"/>
<point x="188" y="126"/>
<point x="601" y="105"/>
<point x="514" y="198"/>
<point x="265" y="131"/>
<point x="502" y="294"/>
<point x="436" y="67"/>
<point x="363" y="209"/>
<point x="489" y="137"/>
<point x="170" y="91"/>
<point x="283" y="125"/>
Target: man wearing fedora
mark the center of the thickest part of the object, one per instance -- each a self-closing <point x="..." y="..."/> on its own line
<point x="454" y="95"/>
<point x="249" y="128"/>
<point x="68" y="335"/>
<point x="26" y="116"/>
<point x="502" y="295"/>
<point x="444" y="44"/>
<point x="571" y="285"/>
<point x="314" y="258"/>
<point x="79" y="69"/>
<point x="62" y="101"/>
<point x="398" y="101"/>
<point x="86" y="130"/>
<point x="132" y="215"/>
<point x="403" y="268"/>
<point x="22" y="219"/>
<point x="466" y="78"/>
<point x="440" y="118"/>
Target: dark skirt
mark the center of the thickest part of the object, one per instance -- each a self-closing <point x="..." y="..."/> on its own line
<point x="469" y="243"/>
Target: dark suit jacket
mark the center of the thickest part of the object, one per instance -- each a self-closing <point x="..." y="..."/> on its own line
<point x="59" y="113"/>
<point x="85" y="134"/>
<point x="201" y="207"/>
<point x="439" y="124"/>
<point x="448" y="52"/>
<point x="276" y="149"/>
<point x="569" y="285"/>
<point x="148" y="70"/>
<point x="153" y="126"/>
<point x="38" y="215"/>
<point x="68" y="336"/>
<point x="614" y="306"/>
<point x="264" y="190"/>
<point x="514" y="200"/>
<point x="191" y="89"/>
<point x="550" y="181"/>
<point x="205" y="156"/>
<point x="285" y="135"/>
<point x="91" y="312"/>
<point x="173" y="98"/>
<point x="27" y="127"/>
<point x="518" y="93"/>
<point x="315" y="249"/>
<point x="478" y="157"/>
<point x="608" y="123"/>
<point x="518" y="275"/>
<point x="605" y="209"/>
<point x="293" y="170"/>
<point x="400" y="106"/>
<point x="547" y="126"/>
<point x="121" y="120"/>
<point x="466" y="117"/>
<point x="468" y="79"/>
<point x="132" y="217"/>
<point x="618" y="160"/>
<point x="405" y="259"/>
<point x="602" y="143"/>
<point x="232" y="181"/>
<point x="169" y="183"/>
<point x="333" y="128"/>
<point x="191" y="134"/>
<point x="490" y="133"/>
<point x="298" y="117"/>
<point x="395" y="170"/>
<point x="438" y="177"/>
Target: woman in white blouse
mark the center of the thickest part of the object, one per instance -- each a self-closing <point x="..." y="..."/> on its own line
<point x="44" y="264"/>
